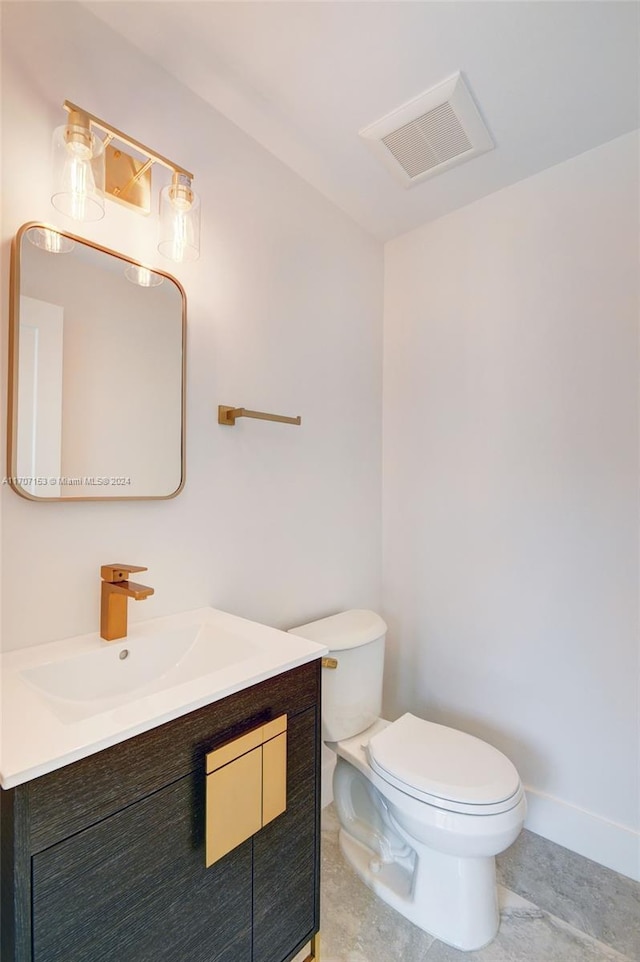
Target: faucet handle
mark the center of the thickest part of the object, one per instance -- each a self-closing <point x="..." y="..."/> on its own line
<point x="115" y="573"/>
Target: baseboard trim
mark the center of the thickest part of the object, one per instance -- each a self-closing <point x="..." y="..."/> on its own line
<point x="586" y="833"/>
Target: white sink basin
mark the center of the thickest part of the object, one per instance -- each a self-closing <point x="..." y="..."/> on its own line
<point x="68" y="699"/>
<point x="90" y="683"/>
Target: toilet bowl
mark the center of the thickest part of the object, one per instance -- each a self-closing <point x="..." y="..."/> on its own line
<point x="423" y="808"/>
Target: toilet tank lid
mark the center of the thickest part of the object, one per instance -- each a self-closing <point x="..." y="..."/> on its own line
<point x="348" y="629"/>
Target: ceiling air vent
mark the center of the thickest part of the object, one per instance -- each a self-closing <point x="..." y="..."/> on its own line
<point x="436" y="131"/>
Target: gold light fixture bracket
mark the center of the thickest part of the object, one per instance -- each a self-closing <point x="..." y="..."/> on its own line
<point x="128" y="180"/>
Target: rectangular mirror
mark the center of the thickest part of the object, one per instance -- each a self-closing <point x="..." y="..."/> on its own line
<point x="96" y="372"/>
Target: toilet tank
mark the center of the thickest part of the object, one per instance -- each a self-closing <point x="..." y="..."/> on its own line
<point x="352" y="692"/>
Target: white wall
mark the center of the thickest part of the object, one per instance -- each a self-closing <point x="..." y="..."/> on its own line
<point x="510" y="488"/>
<point x="276" y="523"/>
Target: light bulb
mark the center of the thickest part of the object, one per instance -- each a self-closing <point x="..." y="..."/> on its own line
<point x="80" y="182"/>
<point x="179" y="220"/>
<point x="179" y="243"/>
<point x="78" y="171"/>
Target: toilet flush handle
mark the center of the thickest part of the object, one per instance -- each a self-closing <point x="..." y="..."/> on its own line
<point x="329" y="662"/>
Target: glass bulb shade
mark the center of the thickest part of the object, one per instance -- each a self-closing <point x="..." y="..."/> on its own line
<point x="50" y="240"/>
<point x="142" y="276"/>
<point x="179" y="221"/>
<point x="78" y="173"/>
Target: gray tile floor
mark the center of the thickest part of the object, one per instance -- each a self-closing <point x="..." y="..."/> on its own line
<point x="556" y="907"/>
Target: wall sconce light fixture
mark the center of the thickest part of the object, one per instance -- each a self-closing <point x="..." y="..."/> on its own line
<point x="86" y="167"/>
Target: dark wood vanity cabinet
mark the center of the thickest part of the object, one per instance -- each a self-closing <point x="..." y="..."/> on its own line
<point x="104" y="860"/>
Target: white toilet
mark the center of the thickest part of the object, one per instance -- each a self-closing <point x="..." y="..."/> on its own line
<point x="424" y="809"/>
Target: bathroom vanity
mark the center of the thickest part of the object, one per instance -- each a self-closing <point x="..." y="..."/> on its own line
<point x="103" y="859"/>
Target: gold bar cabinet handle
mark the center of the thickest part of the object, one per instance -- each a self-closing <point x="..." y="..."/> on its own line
<point x="246" y="787"/>
<point x="329" y="662"/>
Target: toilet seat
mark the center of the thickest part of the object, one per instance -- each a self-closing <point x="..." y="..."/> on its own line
<point x="444" y="767"/>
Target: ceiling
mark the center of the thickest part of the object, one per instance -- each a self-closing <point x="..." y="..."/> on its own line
<point x="551" y="80"/>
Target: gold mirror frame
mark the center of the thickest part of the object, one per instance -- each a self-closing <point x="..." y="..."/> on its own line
<point x="13" y="362"/>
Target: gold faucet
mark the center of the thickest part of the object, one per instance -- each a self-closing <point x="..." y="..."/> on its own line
<point x="113" y="600"/>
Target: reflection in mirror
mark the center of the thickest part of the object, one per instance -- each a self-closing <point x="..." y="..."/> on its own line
<point x="97" y="371"/>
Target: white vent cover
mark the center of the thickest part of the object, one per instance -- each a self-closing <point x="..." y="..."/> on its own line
<point x="436" y="131"/>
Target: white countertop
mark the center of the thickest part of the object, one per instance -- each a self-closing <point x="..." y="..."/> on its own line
<point x="59" y="703"/>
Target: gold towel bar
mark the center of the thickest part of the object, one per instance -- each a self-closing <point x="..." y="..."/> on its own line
<point x="228" y="415"/>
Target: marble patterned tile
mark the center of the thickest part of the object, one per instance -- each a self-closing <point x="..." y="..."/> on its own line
<point x="530" y="935"/>
<point x="355" y="925"/>
<point x="590" y="897"/>
<point x="329" y="819"/>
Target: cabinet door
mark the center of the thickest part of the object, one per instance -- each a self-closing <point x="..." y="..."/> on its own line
<point x="134" y="888"/>
<point x="286" y="854"/>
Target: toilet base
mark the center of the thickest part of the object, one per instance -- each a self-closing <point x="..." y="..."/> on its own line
<point x="454" y="899"/>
